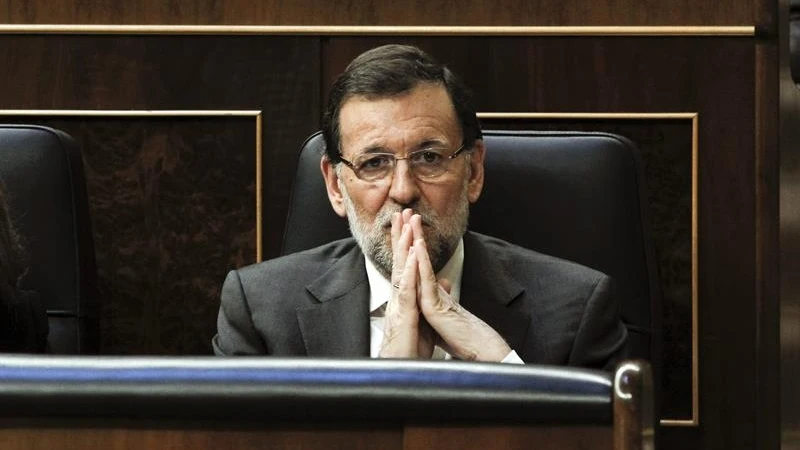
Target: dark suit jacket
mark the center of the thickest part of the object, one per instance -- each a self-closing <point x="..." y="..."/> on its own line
<point x="316" y="303"/>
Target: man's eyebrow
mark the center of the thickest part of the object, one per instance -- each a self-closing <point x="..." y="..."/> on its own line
<point x="379" y="148"/>
<point x="431" y="143"/>
<point x="375" y="148"/>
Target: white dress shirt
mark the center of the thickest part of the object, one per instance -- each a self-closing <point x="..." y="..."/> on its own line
<point x="380" y="291"/>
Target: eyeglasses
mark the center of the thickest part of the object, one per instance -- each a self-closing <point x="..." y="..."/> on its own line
<point x="427" y="163"/>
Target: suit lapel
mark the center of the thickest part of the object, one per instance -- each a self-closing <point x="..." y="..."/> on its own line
<point x="338" y="325"/>
<point x="487" y="291"/>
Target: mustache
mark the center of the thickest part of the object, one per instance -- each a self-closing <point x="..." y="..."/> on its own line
<point x="384" y="216"/>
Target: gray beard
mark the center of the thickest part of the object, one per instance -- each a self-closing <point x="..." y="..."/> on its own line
<point x="442" y="236"/>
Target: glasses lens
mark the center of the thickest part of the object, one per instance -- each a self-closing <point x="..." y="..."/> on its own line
<point x="428" y="163"/>
<point x="373" y="166"/>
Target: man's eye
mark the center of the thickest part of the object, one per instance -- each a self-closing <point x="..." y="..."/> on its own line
<point x="427" y="157"/>
<point x="375" y="162"/>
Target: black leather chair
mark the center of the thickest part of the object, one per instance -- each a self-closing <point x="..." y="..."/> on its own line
<point x="575" y="195"/>
<point x="43" y="175"/>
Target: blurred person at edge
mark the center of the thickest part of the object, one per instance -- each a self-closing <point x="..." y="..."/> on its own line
<point x="23" y="320"/>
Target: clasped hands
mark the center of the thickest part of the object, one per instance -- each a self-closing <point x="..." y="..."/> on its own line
<point x="421" y="313"/>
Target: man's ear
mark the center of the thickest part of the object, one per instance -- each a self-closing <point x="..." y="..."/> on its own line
<point x="475" y="182"/>
<point x="332" y="186"/>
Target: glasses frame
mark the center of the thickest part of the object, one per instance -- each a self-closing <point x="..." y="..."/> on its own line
<point x="352" y="166"/>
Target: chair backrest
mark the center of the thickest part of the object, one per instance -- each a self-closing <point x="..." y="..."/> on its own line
<point x="575" y="195"/>
<point x="43" y="176"/>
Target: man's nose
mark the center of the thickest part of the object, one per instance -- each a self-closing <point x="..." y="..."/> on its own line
<point x="404" y="189"/>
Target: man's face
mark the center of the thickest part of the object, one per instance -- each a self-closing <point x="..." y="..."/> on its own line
<point x="399" y="125"/>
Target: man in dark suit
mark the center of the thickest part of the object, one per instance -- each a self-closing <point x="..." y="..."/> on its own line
<point x="404" y="159"/>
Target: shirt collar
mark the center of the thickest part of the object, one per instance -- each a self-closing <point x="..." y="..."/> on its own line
<point x="380" y="289"/>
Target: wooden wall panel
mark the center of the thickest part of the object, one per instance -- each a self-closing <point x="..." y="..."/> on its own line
<point x="767" y="311"/>
<point x="376" y="12"/>
<point x="140" y="172"/>
<point x="789" y="150"/>
<point x="278" y="75"/>
<point x="730" y="82"/>
<point x="287" y="77"/>
<point x="173" y="207"/>
<point x="587" y="74"/>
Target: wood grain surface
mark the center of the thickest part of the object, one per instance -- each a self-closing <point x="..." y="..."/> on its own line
<point x="376" y="12"/>
<point x="287" y="77"/>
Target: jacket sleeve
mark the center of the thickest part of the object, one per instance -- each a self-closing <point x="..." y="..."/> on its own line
<point x="236" y="334"/>
<point x="601" y="340"/>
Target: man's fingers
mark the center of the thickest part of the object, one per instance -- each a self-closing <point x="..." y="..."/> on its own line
<point x="416" y="226"/>
<point x="402" y="239"/>
<point x="444" y="283"/>
<point x="427" y="278"/>
<point x="400" y="253"/>
<point x="407" y="291"/>
<point x="407" y="213"/>
<point x="401" y="321"/>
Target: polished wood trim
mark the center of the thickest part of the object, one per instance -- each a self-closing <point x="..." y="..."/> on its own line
<point x="695" y="420"/>
<point x="259" y="188"/>
<point x="694" y="118"/>
<point x="167" y="435"/>
<point x="329" y="30"/>
<point x="129" y="113"/>
<point x="255" y="114"/>
<point x="588" y="115"/>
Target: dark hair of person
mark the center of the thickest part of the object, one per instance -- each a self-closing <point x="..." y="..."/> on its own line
<point x="393" y="70"/>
